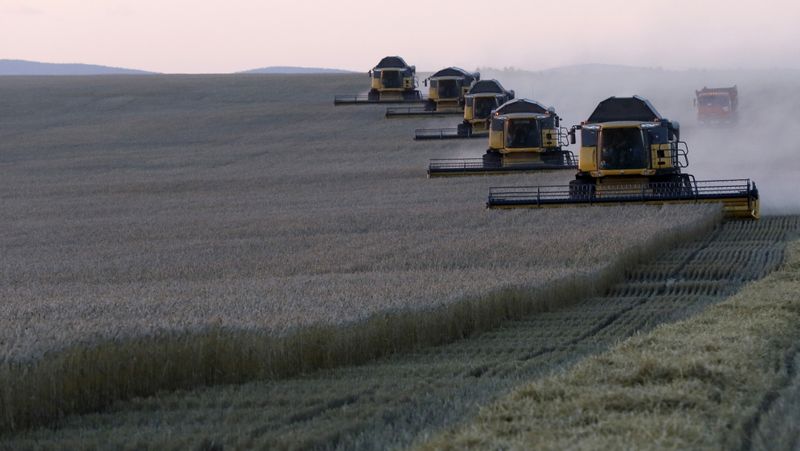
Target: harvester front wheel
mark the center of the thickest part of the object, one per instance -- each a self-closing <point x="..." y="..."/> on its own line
<point x="465" y="129"/>
<point x="492" y="160"/>
<point x="411" y="95"/>
<point x="373" y="95"/>
<point x="556" y="158"/>
<point x="580" y="189"/>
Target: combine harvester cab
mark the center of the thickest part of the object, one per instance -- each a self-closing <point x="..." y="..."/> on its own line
<point x="717" y="105"/>
<point x="630" y="154"/>
<point x="482" y="98"/>
<point x="393" y="81"/>
<point x="446" y="91"/>
<point x="524" y="136"/>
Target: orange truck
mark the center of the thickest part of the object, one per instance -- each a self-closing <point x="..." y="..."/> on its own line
<point x="717" y="105"/>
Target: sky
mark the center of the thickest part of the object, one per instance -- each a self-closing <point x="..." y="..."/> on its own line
<point x="196" y="36"/>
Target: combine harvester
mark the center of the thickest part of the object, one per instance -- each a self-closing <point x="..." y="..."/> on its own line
<point x="393" y="81"/>
<point x="717" y="105"/>
<point x="631" y="155"/>
<point x="524" y="136"/>
<point x="446" y="91"/>
<point x="482" y="98"/>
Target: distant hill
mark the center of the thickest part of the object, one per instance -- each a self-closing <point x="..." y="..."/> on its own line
<point x="295" y="70"/>
<point x="576" y="68"/>
<point x="20" y="67"/>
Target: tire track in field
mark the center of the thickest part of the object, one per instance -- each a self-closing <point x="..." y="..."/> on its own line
<point x="393" y="401"/>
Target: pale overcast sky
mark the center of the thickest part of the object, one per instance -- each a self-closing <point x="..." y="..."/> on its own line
<point x="224" y="36"/>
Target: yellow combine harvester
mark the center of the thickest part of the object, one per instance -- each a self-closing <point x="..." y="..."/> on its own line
<point x="524" y="136"/>
<point x="482" y="98"/>
<point x="446" y="91"/>
<point x="630" y="154"/>
<point x="393" y="81"/>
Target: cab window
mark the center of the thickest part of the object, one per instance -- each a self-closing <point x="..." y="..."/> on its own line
<point x="523" y="133"/>
<point x="498" y="125"/>
<point x="588" y="137"/>
<point x="623" y="148"/>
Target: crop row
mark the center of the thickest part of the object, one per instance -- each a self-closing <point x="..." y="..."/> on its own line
<point x="725" y="378"/>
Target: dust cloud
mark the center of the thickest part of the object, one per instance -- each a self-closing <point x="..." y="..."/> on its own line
<point x="762" y="145"/>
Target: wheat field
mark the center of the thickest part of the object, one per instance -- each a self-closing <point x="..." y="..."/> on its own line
<point x="406" y="399"/>
<point x="174" y="231"/>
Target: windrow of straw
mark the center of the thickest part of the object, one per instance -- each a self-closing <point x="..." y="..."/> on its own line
<point x="715" y="381"/>
<point x="85" y="378"/>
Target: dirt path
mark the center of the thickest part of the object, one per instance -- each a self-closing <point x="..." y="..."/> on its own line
<point x="396" y="400"/>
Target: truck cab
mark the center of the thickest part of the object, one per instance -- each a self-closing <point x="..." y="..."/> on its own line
<point x="622" y="148"/>
<point x="447" y="87"/>
<point x="481" y="100"/>
<point x="625" y="140"/>
<point x="524" y="126"/>
<point x="524" y="131"/>
<point x="393" y="77"/>
<point x="717" y="105"/>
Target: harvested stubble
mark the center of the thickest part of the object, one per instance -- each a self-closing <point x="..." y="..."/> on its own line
<point x="724" y="379"/>
<point x="167" y="232"/>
